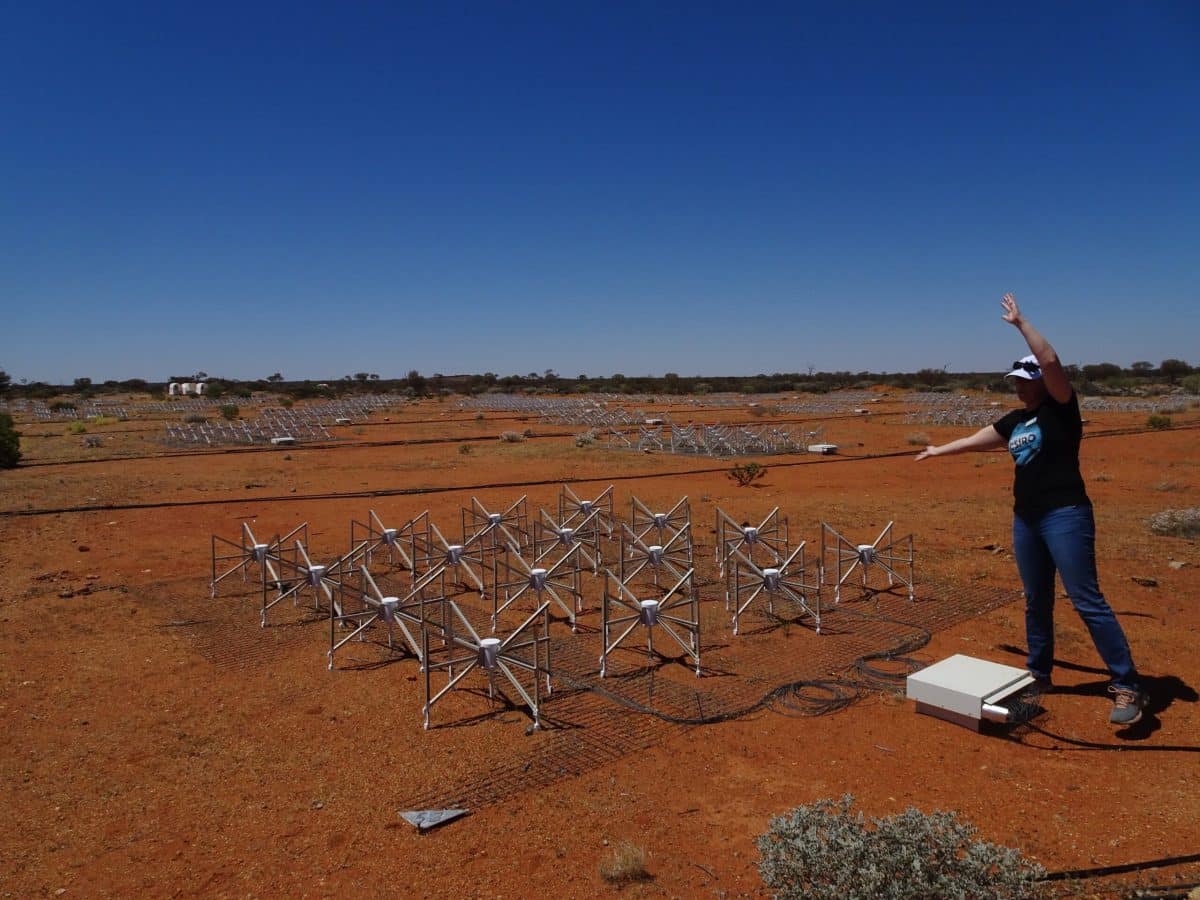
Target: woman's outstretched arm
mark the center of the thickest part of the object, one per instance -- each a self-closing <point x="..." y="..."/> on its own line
<point x="986" y="438"/>
<point x="1057" y="383"/>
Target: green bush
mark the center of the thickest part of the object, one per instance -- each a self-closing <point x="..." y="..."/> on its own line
<point x="61" y="405"/>
<point x="826" y="851"/>
<point x="10" y="443"/>
<point x="1158" y="423"/>
<point x="747" y="473"/>
<point x="76" y="428"/>
<point x="230" y="411"/>
<point x="1191" y="383"/>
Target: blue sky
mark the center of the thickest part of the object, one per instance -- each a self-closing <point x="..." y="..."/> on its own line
<point x="322" y="189"/>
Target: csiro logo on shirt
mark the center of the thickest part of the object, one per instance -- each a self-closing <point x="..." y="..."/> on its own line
<point x="1025" y="442"/>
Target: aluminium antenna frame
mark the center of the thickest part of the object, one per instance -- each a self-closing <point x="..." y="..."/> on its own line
<point x="495" y="656"/>
<point x="847" y="557"/>
<point x="251" y="552"/>
<point x="661" y="611"/>
<point x="665" y="525"/>
<point x="784" y="580"/>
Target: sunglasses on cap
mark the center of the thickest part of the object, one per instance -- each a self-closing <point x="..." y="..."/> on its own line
<point x="1031" y="367"/>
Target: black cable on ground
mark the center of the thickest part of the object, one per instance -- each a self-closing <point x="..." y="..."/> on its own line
<point x="803" y="697"/>
<point x="1124" y="868"/>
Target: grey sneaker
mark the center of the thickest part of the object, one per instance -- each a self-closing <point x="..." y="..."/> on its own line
<point x="1127" y="705"/>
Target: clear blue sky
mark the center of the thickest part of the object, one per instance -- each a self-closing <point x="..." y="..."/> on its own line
<point x="322" y="189"/>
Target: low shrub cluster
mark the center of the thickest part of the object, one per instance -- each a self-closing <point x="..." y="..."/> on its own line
<point x="918" y="439"/>
<point x="1158" y="422"/>
<point x="1177" y="522"/>
<point x="512" y="437"/>
<point x="586" y="439"/>
<point x="825" y="851"/>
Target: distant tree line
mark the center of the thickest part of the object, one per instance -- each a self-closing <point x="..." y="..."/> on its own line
<point x="1096" y="378"/>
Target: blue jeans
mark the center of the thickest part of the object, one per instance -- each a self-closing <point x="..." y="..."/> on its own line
<point x="1064" y="539"/>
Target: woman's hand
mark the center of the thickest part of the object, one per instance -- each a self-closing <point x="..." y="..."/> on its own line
<point x="929" y="451"/>
<point x="1012" y="313"/>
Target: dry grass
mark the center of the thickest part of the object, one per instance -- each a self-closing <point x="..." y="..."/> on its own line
<point x="624" y="864"/>
<point x="512" y="437"/>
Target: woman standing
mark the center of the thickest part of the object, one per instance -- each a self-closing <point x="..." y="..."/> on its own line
<point x="1053" y="526"/>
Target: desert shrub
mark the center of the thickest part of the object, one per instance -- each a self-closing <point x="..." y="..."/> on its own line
<point x="512" y="437"/>
<point x="1191" y="383"/>
<point x="1176" y="522"/>
<point x="61" y="406"/>
<point x="624" y="864"/>
<point x="102" y="420"/>
<point x="287" y="402"/>
<point x="10" y="443"/>
<point x="194" y="419"/>
<point x="918" y="439"/>
<point x="586" y="439"/>
<point x="528" y="432"/>
<point x="76" y="428"/>
<point x="825" y="851"/>
<point x="1158" y="423"/>
<point x="747" y="473"/>
<point x="466" y="449"/>
<point x="230" y="411"/>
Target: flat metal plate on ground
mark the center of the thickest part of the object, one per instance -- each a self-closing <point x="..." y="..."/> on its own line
<point x="425" y="819"/>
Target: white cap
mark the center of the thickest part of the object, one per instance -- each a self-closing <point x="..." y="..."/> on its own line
<point x="1026" y="367"/>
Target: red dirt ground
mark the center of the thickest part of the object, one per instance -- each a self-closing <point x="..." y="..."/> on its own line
<point x="158" y="742"/>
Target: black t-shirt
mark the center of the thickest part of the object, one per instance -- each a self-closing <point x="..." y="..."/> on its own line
<point x="1044" y="444"/>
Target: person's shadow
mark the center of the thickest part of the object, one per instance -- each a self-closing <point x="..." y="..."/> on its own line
<point x="1161" y="691"/>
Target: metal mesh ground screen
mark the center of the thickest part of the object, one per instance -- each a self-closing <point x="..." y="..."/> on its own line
<point x="778" y="662"/>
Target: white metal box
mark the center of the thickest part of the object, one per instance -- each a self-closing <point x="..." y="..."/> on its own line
<point x="966" y="690"/>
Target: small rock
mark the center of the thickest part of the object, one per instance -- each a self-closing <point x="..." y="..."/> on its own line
<point x="317" y="804"/>
<point x="1179" y="564"/>
<point x="1144" y="581"/>
<point x="83" y="548"/>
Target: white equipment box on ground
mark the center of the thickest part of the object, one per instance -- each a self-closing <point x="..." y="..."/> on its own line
<point x="965" y="690"/>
